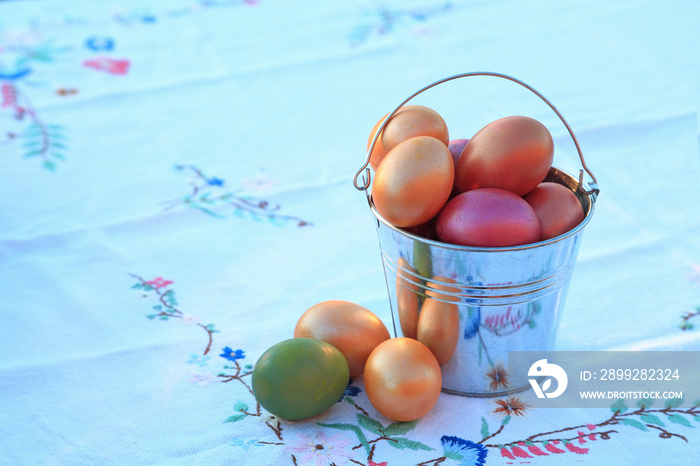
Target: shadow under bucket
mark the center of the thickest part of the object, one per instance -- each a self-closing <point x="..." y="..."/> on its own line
<point x="472" y="305"/>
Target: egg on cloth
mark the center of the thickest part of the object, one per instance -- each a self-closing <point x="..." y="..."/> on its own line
<point x="351" y="328"/>
<point x="402" y="379"/>
<point x="300" y="378"/>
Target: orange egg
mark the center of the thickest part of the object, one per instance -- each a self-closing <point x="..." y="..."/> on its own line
<point x="413" y="182"/>
<point x="354" y="330"/>
<point x="407" y="300"/>
<point x="513" y="153"/>
<point x="402" y="379"/>
<point x="438" y="323"/>
<point x="409" y="121"/>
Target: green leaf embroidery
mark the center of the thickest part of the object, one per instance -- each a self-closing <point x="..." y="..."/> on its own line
<point x="673" y="402"/>
<point x="619" y="405"/>
<point x="370" y="424"/>
<point x="351" y="428"/>
<point x="49" y="165"/>
<point x="400" y="428"/>
<point x="652" y="419"/>
<point x="634" y="423"/>
<point x="484" y="428"/>
<point x="402" y="442"/>
<point x="151" y="316"/>
<point x="240" y="406"/>
<point x="646" y="402"/>
<point x="505" y="420"/>
<point x="678" y="419"/>
<point x="234" y="418"/>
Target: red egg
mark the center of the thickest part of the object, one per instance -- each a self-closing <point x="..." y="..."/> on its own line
<point x="513" y="153"/>
<point x="413" y="182"/>
<point x="557" y="208"/>
<point x="488" y="217"/>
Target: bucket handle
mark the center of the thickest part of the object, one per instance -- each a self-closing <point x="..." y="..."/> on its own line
<point x="367" y="175"/>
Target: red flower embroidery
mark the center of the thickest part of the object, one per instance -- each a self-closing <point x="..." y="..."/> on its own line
<point x="534" y="449"/>
<point x="159" y="282"/>
<point x="507" y="454"/>
<point x="372" y="463"/>
<point x="9" y="95"/>
<point x="575" y="449"/>
<point x="108" y="64"/>
<point x="519" y="452"/>
<point x="581" y="440"/>
<point x="550" y="447"/>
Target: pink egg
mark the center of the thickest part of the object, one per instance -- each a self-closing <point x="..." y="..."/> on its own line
<point x="456" y="147"/>
<point x="488" y="217"/>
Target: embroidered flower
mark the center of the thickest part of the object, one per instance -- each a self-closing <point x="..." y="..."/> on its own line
<point x="109" y="65"/>
<point x="15" y="74"/>
<point x="320" y="449"/>
<point x="199" y="360"/>
<point x="215" y="181"/>
<point x="159" y="283"/>
<point x="99" y="43"/>
<point x="232" y="355"/>
<point x="189" y="319"/>
<point x="466" y="452"/>
<point x="498" y="376"/>
<point x="372" y="463"/>
<point x="202" y="379"/>
<point x="351" y="390"/>
<point x="510" y="406"/>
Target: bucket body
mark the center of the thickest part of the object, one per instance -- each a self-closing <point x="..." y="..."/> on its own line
<point x="472" y="305"/>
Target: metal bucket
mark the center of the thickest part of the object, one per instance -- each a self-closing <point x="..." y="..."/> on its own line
<point x="489" y="300"/>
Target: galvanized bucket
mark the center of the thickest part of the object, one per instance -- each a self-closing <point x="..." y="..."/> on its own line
<point x="490" y="300"/>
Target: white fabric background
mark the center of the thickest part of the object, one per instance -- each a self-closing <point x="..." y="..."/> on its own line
<point x="277" y="99"/>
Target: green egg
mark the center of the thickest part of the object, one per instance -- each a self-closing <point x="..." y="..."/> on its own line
<point x="300" y="378"/>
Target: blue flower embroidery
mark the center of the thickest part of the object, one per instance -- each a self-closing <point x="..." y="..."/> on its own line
<point x="466" y="452"/>
<point x="232" y="355"/>
<point x="215" y="181"/>
<point x="99" y="44"/>
<point x="351" y="391"/>
<point x="18" y="74"/>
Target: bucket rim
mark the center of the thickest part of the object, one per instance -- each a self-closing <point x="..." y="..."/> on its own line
<point x="458" y="247"/>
